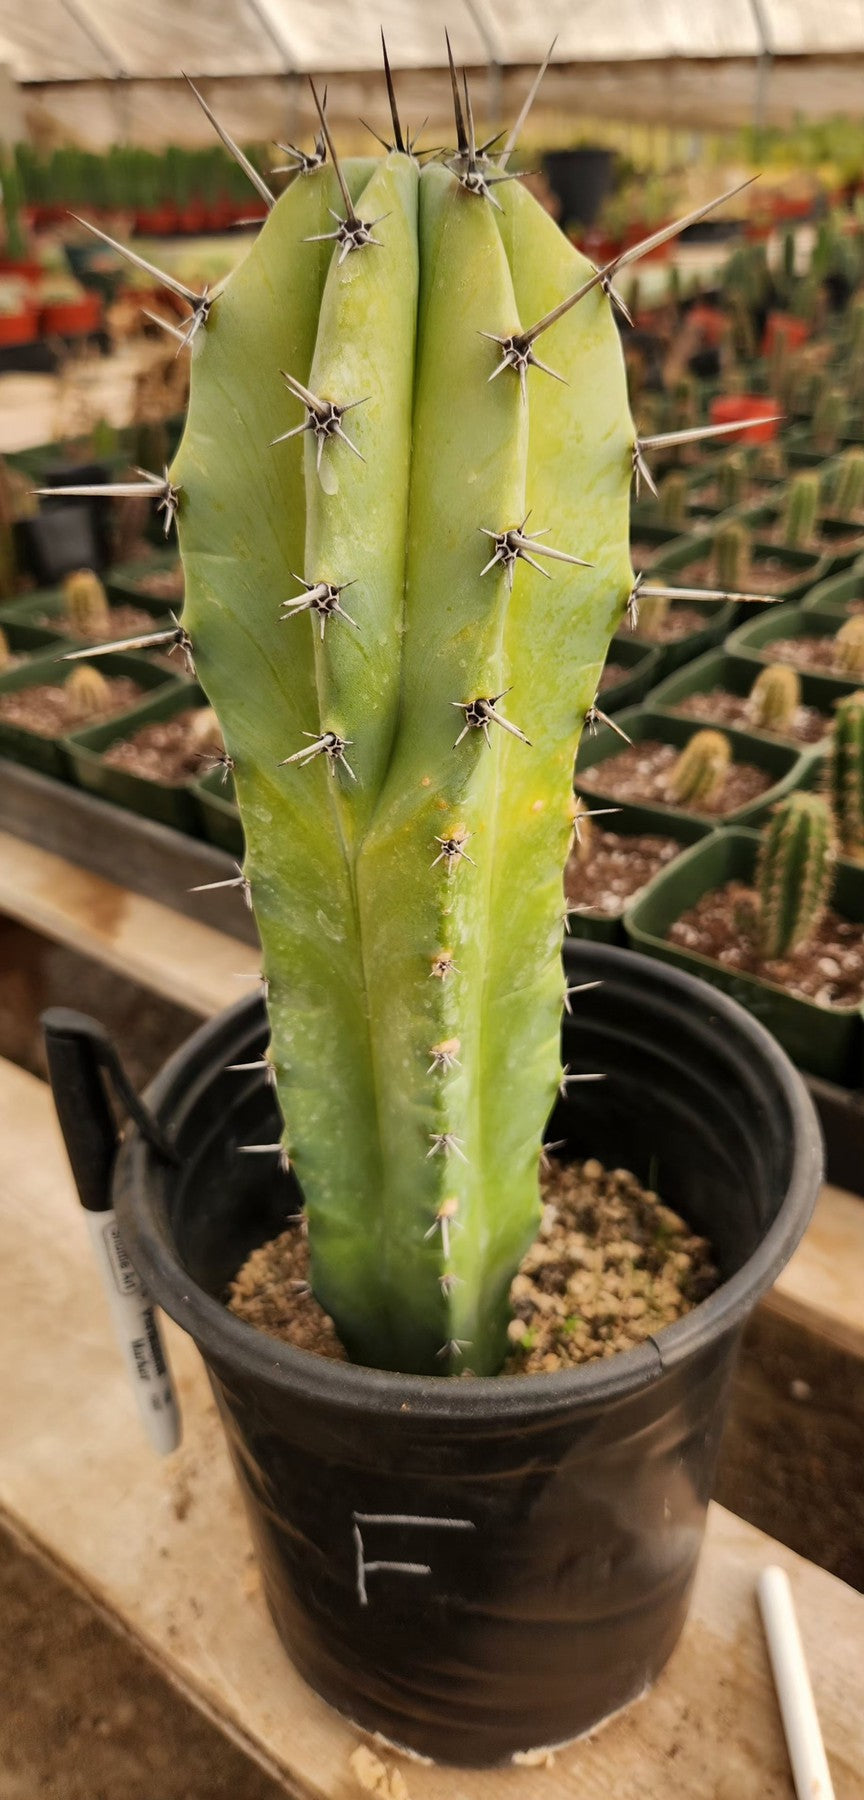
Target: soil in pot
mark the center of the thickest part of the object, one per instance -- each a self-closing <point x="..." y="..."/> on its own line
<point x="124" y="621"/>
<point x="828" y="968"/>
<point x="719" y="707"/>
<point x="676" y="622"/>
<point x="51" y="709"/>
<point x="608" y="869"/>
<point x="759" y="574"/>
<point x="612" y="673"/>
<point x="813" y="651"/>
<point x="642" y="772"/>
<point x="169" y="751"/>
<point x="610" y="1266"/>
<point x="162" y="584"/>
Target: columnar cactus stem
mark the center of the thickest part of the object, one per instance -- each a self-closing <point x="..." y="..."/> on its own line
<point x="801" y="511"/>
<point x="699" y="772"/>
<point x="673" y="500"/>
<point x="796" y="862"/>
<point x="730" y="481"/>
<point x="398" y="770"/>
<point x="847" y="487"/>
<point x="775" y="697"/>
<point x="731" y="555"/>
<point x="846" y="775"/>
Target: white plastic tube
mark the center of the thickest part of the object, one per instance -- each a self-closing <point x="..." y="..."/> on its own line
<point x="792" y="1681"/>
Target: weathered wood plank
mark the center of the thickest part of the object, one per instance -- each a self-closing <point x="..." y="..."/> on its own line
<point x="190" y="963"/>
<point x="163" y="1547"/>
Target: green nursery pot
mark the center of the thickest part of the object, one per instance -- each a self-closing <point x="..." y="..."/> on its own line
<point x="169" y="804"/>
<point x="641" y="662"/>
<point x="832" y="598"/>
<point x="785" y="766"/>
<point x="25" y="639"/>
<point x="123" y="581"/>
<point x="824" y="1041"/>
<point x="718" y="615"/>
<point x="49" y="604"/>
<point x="50" y="755"/>
<point x="842" y="539"/>
<point x="752" y="642"/>
<point x="634" y="821"/>
<point x="220" y="818"/>
<point x="804" y="569"/>
<point x="720" y="669"/>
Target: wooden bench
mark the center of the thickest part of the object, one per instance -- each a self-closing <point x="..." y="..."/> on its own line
<point x="161" y="1547"/>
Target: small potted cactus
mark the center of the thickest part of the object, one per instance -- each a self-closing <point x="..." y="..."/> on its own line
<point x="775" y="701"/>
<point x="43" y="700"/>
<point x="83" y="610"/>
<point x="802" y="521"/>
<point x="777" y="920"/>
<point x="656" y="760"/>
<point x="733" y="558"/>
<point x="405" y="557"/>
<point x="822" y="643"/>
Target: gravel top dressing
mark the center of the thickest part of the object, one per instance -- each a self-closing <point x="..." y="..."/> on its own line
<point x="610" y="1266"/>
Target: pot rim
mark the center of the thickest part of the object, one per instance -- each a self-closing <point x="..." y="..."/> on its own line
<point x="351" y="1387"/>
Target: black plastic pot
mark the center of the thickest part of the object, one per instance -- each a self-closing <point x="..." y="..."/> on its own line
<point x="557" y="1520"/>
<point x="59" y="539"/>
<point x="581" y="179"/>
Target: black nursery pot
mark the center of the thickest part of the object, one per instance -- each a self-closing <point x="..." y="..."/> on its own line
<point x="551" y="1524"/>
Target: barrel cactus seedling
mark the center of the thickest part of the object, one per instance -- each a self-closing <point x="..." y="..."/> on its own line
<point x="87" y="694"/>
<point x="796" y="862"/>
<point x="698" y="774"/>
<point x="775" y="698"/>
<point x="849" y="647"/>
<point x="86" y="603"/>
<point x="846" y="775"/>
<point x="402" y="497"/>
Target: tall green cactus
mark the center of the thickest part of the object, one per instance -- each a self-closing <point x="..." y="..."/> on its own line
<point x="672" y="491"/>
<point x="847" y="484"/>
<point x="796" y="861"/>
<point x="849" y="646"/>
<point x="846" y="775"/>
<point x="390" y="801"/>
<point x="442" y="517"/>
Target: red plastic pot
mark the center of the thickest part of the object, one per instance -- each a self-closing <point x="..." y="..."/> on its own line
<point x="784" y="327"/>
<point x="20" y="327"/>
<point x="636" y="234"/>
<point x="156" y="221"/>
<point x="748" y="408"/>
<point x="25" y="271"/>
<point x="596" y="245"/>
<point x="72" y="318"/>
<point x="710" y="322"/>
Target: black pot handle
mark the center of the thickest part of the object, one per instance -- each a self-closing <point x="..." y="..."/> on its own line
<point x="81" y="1058"/>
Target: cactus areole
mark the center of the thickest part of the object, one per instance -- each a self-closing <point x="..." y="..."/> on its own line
<point x="376" y="489"/>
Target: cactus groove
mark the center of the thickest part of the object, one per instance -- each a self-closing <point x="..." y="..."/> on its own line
<point x="405" y="861"/>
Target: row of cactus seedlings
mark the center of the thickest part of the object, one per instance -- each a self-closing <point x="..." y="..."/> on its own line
<point x="391" y="811"/>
